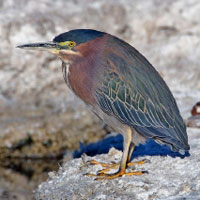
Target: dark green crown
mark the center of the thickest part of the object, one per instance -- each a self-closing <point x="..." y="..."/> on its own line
<point x="78" y="36"/>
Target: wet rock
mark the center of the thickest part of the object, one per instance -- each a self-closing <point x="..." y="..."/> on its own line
<point x="19" y="177"/>
<point x="193" y="121"/>
<point x="40" y="133"/>
<point x="168" y="178"/>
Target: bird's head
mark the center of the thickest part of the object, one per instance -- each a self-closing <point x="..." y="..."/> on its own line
<point x="67" y="45"/>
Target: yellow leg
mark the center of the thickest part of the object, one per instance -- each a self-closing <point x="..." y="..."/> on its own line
<point x="128" y="149"/>
<point x="129" y="163"/>
<point x="131" y="148"/>
<point x="109" y="167"/>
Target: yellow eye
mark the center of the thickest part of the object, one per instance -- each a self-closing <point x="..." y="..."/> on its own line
<point x="68" y="43"/>
<point x="72" y="44"/>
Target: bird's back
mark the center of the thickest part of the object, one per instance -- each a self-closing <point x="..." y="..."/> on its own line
<point x="134" y="92"/>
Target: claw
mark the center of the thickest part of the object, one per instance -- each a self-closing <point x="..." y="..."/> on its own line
<point x="142" y="162"/>
<point x="145" y="172"/>
<point x="114" y="166"/>
<point x="94" y="162"/>
<point x="146" y="161"/>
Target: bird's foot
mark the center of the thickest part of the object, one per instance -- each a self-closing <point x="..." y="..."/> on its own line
<point x="141" y="162"/>
<point x="103" y="176"/>
<point x="109" y="167"/>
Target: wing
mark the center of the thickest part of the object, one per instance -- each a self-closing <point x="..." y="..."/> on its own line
<point x="134" y="92"/>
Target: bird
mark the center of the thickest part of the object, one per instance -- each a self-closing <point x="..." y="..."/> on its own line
<point x="121" y="87"/>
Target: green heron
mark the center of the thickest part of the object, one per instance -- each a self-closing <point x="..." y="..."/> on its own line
<point x="121" y="87"/>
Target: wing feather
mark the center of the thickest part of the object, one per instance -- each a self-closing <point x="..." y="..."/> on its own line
<point x="134" y="93"/>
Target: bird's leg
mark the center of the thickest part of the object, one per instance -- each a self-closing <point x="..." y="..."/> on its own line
<point x="108" y="166"/>
<point x="116" y="165"/>
<point x="129" y="163"/>
<point x="102" y="175"/>
<point x="131" y="148"/>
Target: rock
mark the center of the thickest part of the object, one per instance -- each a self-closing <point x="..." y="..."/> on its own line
<point x="18" y="178"/>
<point x="36" y="107"/>
<point x="33" y="134"/>
<point x="168" y="178"/>
<point x="193" y="121"/>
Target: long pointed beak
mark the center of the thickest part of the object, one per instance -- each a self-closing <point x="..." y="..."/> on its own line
<point x="51" y="47"/>
<point x="46" y="46"/>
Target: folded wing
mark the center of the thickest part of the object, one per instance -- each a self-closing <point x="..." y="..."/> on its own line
<point x="136" y="95"/>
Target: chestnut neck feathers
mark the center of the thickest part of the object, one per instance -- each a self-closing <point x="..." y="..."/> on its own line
<point x="79" y="72"/>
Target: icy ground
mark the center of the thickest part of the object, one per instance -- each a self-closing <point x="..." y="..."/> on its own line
<point x="168" y="179"/>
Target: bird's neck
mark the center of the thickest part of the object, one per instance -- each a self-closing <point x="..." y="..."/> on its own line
<point x="76" y="75"/>
<point x="81" y="72"/>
